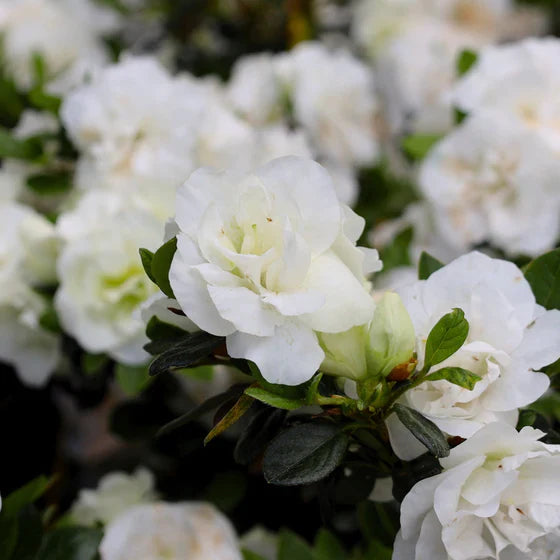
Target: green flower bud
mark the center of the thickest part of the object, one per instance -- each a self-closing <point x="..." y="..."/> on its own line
<point x="391" y="336"/>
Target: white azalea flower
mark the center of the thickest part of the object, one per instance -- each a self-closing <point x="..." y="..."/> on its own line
<point x="102" y="283"/>
<point x="254" y="89"/>
<point x="337" y="114"/>
<point x="164" y="531"/>
<point x="510" y="336"/>
<point x="491" y="180"/>
<point x="269" y="259"/>
<point x="135" y="138"/>
<point x="498" y="497"/>
<point x="67" y="34"/>
<point x="116" y="492"/>
<point x="519" y="81"/>
<point x="27" y="255"/>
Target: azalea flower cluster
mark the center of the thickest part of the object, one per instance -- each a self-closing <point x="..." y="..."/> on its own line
<point x="168" y="223"/>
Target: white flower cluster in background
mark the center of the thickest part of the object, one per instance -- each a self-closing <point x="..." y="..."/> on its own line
<point x="414" y="88"/>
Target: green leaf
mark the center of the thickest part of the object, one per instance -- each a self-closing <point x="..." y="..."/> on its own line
<point x="397" y="253"/>
<point x="226" y="490"/>
<point x="456" y="375"/>
<point x="459" y="115"/>
<point x="465" y="61"/>
<point x="304" y="454"/>
<point x="29" y="533"/>
<point x="232" y="416"/>
<point x="293" y="547"/>
<point x="161" y="262"/>
<point x="417" y="146"/>
<point x="40" y="99"/>
<point x="424" y="430"/>
<point x="248" y="555"/>
<point x="25" y="495"/>
<point x="447" y="336"/>
<point x="70" y="543"/>
<point x="93" y="363"/>
<point x="274" y="400"/>
<point x="427" y="265"/>
<point x="50" y="183"/>
<point x="164" y="336"/>
<point x="549" y="406"/>
<point x="290" y="392"/>
<point x="193" y="348"/>
<point x="262" y="427"/>
<point x="132" y="379"/>
<point x="543" y="274"/>
<point x="49" y="320"/>
<point x="146" y="256"/>
<point x="39" y="68"/>
<point x="327" y="547"/>
<point x="207" y="406"/>
<point x="313" y="389"/>
<point x="11" y="147"/>
<point x="526" y="418"/>
<point x="378" y="551"/>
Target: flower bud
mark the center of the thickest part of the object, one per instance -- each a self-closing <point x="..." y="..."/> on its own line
<point x="391" y="336"/>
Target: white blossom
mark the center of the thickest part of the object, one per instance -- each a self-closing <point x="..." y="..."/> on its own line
<point x="28" y="251"/>
<point x="268" y="259"/>
<point x="102" y="283"/>
<point x="510" y="337"/>
<point x="491" y="180"/>
<point x="67" y="34"/>
<point x="497" y="498"/>
<point x="333" y="96"/>
<point x="116" y="492"/>
<point x="164" y="531"/>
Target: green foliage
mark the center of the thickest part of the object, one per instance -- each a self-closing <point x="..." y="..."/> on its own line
<point x="465" y="61"/>
<point x="188" y="352"/>
<point x="233" y="415"/>
<point x="248" y="555"/>
<point x="424" y="430"/>
<point x="92" y="364"/>
<point x="457" y="376"/>
<point x="11" y="147"/>
<point x="289" y="392"/>
<point x="447" y="336"/>
<point x="146" y="256"/>
<point x="25" y="495"/>
<point x="50" y="183"/>
<point x="427" y="265"/>
<point x="397" y="253"/>
<point x="293" y="547"/>
<point x="226" y="490"/>
<point x="417" y="146"/>
<point x="304" y="453"/>
<point x="263" y="426"/>
<point x="543" y="274"/>
<point x="163" y="336"/>
<point x="327" y="547"/>
<point x="273" y="399"/>
<point x="161" y="262"/>
<point x="132" y="379"/>
<point x="70" y="543"/>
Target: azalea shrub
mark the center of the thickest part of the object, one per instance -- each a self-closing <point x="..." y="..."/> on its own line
<point x="281" y="280"/>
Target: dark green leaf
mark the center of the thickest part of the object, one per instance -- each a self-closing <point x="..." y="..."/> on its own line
<point x="543" y="274"/>
<point x="293" y="547"/>
<point x="526" y="418"/>
<point x="378" y="551"/>
<point x="146" y="256"/>
<point x="70" y="543"/>
<point x="248" y="555"/>
<point x="313" y="389"/>
<point x="25" y="495"/>
<point x="549" y="406"/>
<point x="262" y="427"/>
<point x="40" y="99"/>
<point x="226" y="490"/>
<point x="9" y="533"/>
<point x="49" y="320"/>
<point x="39" y="68"/>
<point x="304" y="454"/>
<point x="207" y="406"/>
<point x="456" y="375"/>
<point x="162" y="331"/>
<point x="29" y="533"/>
<point x="161" y="262"/>
<point x="417" y="146"/>
<point x="327" y="547"/>
<point x="447" y="336"/>
<point x="193" y="348"/>
<point x="274" y="400"/>
<point x="94" y="363"/>
<point x="11" y="147"/>
<point x="427" y="265"/>
<point x="291" y="392"/>
<point x="232" y="416"/>
<point x="50" y="183"/>
<point x="378" y="522"/>
<point x="424" y="430"/>
<point x="465" y="61"/>
<point x="397" y="253"/>
<point x="459" y="115"/>
<point x="412" y="472"/>
<point x="132" y="379"/>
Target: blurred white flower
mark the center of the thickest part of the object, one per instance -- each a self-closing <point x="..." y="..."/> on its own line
<point x="136" y="128"/>
<point x="333" y="96"/>
<point x="27" y="257"/>
<point x="267" y="260"/>
<point x="491" y="180"/>
<point x="520" y="81"/>
<point x="510" y="337"/>
<point x="498" y="497"/>
<point x="102" y="283"/>
<point x="164" y="531"/>
<point x="67" y="34"/>
<point x="116" y="493"/>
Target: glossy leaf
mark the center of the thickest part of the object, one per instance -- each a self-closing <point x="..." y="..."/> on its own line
<point x="427" y="265"/>
<point x="232" y="416"/>
<point x="543" y="274"/>
<point x="161" y="262"/>
<point x="274" y="400"/>
<point x="456" y="375"/>
<point x="447" y="336"/>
